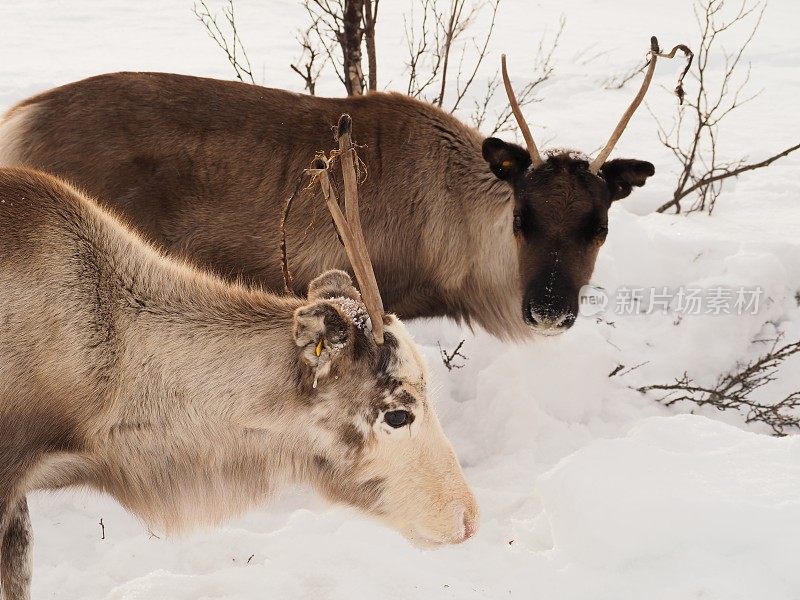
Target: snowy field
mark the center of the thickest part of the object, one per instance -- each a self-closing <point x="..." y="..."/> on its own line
<point x="588" y="489"/>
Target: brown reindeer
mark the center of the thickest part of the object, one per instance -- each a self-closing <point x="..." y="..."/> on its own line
<point x="189" y="398"/>
<point x="475" y="229"/>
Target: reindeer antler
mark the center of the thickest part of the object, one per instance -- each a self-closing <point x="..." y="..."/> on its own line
<point x="536" y="158"/>
<point x="626" y="116"/>
<point x="349" y="227"/>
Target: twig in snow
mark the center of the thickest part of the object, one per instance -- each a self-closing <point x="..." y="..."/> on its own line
<point x="634" y="367"/>
<point x="448" y="358"/>
<point x="616" y="370"/>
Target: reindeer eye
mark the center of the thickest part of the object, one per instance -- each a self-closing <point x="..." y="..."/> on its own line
<point x="398" y="418"/>
<point x="594" y="229"/>
<point x="517" y="223"/>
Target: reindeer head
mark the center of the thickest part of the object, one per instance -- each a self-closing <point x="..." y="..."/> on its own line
<point x="380" y="446"/>
<point x="382" y="449"/>
<point x="560" y="215"/>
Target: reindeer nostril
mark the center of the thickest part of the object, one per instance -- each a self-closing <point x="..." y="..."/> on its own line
<point x="546" y="317"/>
<point x="469" y="526"/>
<point x="467" y="520"/>
<point x="530" y="315"/>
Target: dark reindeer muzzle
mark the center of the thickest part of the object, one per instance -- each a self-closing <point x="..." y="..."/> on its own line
<point x="551" y="312"/>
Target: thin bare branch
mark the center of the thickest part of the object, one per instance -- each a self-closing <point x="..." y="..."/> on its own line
<point x="617" y="82"/>
<point x="726" y="173"/>
<point x="233" y="48"/>
<point x="733" y="390"/>
<point x="462" y="89"/>
<point x="340" y="24"/>
<point x="287" y="207"/>
<point x="543" y="71"/>
<point x="437" y="40"/>
<point x="694" y="140"/>
<point x="370" y="18"/>
<point x="449" y="358"/>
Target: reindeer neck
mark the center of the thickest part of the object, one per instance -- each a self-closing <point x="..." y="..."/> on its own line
<point x="471" y="248"/>
<point x="192" y="344"/>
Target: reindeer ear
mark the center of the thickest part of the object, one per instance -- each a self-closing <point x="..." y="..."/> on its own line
<point x="621" y="174"/>
<point x="321" y="331"/>
<point x="333" y="284"/>
<point x="505" y="160"/>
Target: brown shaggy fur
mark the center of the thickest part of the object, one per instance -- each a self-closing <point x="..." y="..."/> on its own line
<point x="204" y="167"/>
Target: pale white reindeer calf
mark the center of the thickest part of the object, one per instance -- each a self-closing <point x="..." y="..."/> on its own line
<point x="190" y="399"/>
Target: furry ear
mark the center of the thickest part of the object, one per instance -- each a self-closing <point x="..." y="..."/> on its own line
<point x="321" y="331"/>
<point x="621" y="174"/>
<point x="333" y="284"/>
<point x="505" y="160"/>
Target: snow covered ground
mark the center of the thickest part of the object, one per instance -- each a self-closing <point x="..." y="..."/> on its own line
<point x="587" y="488"/>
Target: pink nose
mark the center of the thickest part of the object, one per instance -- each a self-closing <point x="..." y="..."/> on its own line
<point x="470" y="524"/>
<point x="470" y="527"/>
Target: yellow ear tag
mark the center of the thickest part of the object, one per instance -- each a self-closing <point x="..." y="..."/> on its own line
<point x="507" y="164"/>
<point x="318" y="348"/>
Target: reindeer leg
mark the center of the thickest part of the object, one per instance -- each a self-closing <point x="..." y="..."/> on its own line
<point x="16" y="550"/>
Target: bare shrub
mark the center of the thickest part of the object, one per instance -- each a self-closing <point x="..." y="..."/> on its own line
<point x="440" y="34"/>
<point x="438" y="37"/>
<point x="230" y="43"/>
<point x="335" y="36"/>
<point x="543" y="68"/>
<point x="443" y="59"/>
<point x="312" y="60"/>
<point x="732" y="391"/>
<point x="346" y="25"/>
<point x="694" y="136"/>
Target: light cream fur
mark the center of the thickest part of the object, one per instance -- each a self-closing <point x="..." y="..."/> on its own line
<point x="190" y="399"/>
